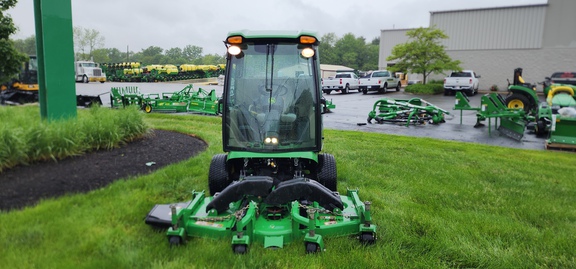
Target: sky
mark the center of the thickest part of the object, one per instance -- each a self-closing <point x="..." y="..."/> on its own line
<point x="139" y="24"/>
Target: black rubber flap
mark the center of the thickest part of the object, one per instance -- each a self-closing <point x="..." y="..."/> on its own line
<point x="249" y="186"/>
<point x="304" y="189"/>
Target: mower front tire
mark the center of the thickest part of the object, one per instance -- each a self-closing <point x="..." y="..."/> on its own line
<point x="312" y="248"/>
<point x="240" y="248"/>
<point x="327" y="173"/>
<point x="218" y="174"/>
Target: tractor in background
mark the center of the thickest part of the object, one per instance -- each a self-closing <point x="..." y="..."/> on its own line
<point x="24" y="88"/>
<point x="272" y="185"/>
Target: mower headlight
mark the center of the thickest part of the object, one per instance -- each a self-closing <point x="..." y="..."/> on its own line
<point x="234" y="50"/>
<point x="271" y="140"/>
<point x="307" y="52"/>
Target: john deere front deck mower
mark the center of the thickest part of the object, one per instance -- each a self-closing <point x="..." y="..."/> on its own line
<point x="272" y="185"/>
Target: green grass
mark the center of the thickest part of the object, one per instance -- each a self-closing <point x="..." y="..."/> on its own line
<point x="25" y="138"/>
<point x="437" y="204"/>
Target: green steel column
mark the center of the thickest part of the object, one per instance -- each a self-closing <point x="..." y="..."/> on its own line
<point x="55" y="51"/>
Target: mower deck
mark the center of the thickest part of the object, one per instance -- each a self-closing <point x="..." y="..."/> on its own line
<point x="261" y="220"/>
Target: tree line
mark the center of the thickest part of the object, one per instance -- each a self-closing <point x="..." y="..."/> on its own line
<point x="349" y="50"/>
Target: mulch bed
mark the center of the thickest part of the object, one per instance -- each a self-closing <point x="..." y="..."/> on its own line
<point x="25" y="185"/>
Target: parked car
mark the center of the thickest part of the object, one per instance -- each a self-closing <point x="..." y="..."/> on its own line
<point x="343" y="82"/>
<point x="465" y="80"/>
<point x="380" y="81"/>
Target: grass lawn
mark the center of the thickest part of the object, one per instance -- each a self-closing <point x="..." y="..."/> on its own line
<point x="437" y="204"/>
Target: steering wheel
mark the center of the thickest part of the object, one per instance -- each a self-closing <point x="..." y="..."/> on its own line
<point x="277" y="90"/>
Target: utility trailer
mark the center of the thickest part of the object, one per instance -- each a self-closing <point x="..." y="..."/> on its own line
<point x="272" y="186"/>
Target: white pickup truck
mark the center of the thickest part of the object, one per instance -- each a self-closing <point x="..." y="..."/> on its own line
<point x="380" y="81"/>
<point x="343" y="82"/>
<point x="465" y="80"/>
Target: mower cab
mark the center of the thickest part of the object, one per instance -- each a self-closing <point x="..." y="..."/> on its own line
<point x="272" y="185"/>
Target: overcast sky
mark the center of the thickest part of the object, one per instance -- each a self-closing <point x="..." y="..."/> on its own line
<point x="177" y="23"/>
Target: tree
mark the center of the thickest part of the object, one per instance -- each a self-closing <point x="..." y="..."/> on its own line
<point x="422" y="54"/>
<point x="192" y="54"/>
<point x="326" y="49"/>
<point x="86" y="38"/>
<point x="27" y="45"/>
<point x="10" y="58"/>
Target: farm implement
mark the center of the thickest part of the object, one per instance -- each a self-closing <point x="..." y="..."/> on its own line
<point x="134" y="72"/>
<point x="521" y="109"/>
<point x="412" y="111"/>
<point x="185" y="100"/>
<point x="512" y="121"/>
<point x="271" y="186"/>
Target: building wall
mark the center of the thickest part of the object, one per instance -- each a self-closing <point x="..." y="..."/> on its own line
<point x="389" y="39"/>
<point x="493" y="42"/>
<point x="492" y="28"/>
<point x="559" y="31"/>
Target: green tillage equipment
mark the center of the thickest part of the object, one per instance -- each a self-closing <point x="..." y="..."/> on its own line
<point x="492" y="105"/>
<point x="415" y="111"/>
<point x="125" y="96"/>
<point x="186" y="100"/>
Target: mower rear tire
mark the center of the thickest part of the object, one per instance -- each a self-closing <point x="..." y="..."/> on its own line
<point x="327" y="172"/>
<point x="218" y="174"/>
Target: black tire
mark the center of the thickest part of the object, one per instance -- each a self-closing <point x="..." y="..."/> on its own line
<point x="218" y="174"/>
<point x="518" y="100"/>
<point x="327" y="91"/>
<point x="383" y="89"/>
<point x="327" y="173"/>
<point x="398" y="87"/>
<point x="367" y="238"/>
<point x="312" y="248"/>
<point x="240" y="248"/>
<point x="364" y="91"/>
<point x="174" y="241"/>
<point x="346" y="89"/>
<point x="469" y="92"/>
<point x="446" y="92"/>
<point x="85" y="79"/>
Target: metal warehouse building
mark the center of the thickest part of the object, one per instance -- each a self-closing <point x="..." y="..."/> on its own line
<point x="541" y="39"/>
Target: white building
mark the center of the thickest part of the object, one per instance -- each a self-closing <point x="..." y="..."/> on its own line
<point x="541" y="39"/>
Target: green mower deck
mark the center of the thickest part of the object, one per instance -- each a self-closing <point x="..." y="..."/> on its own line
<point x="273" y="221"/>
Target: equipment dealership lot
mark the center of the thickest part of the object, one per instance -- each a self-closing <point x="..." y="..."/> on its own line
<point x="353" y="108"/>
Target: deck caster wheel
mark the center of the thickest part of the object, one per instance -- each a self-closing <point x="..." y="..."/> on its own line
<point x="367" y="238"/>
<point x="240" y="249"/>
<point x="312" y="248"/>
<point x="175" y="241"/>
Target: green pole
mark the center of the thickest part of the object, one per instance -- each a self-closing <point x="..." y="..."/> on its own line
<point x="55" y="51"/>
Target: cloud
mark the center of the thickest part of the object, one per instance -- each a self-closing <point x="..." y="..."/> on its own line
<point x="177" y="23"/>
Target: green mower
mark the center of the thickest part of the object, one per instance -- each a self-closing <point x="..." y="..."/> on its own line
<point x="556" y="117"/>
<point x="272" y="186"/>
<point x="412" y="111"/>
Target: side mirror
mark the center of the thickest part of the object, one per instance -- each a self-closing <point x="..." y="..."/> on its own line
<point x="478" y="76"/>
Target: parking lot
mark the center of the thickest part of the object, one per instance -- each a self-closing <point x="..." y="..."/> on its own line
<point x="353" y="108"/>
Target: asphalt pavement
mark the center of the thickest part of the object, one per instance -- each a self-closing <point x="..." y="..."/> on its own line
<point x="352" y="110"/>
